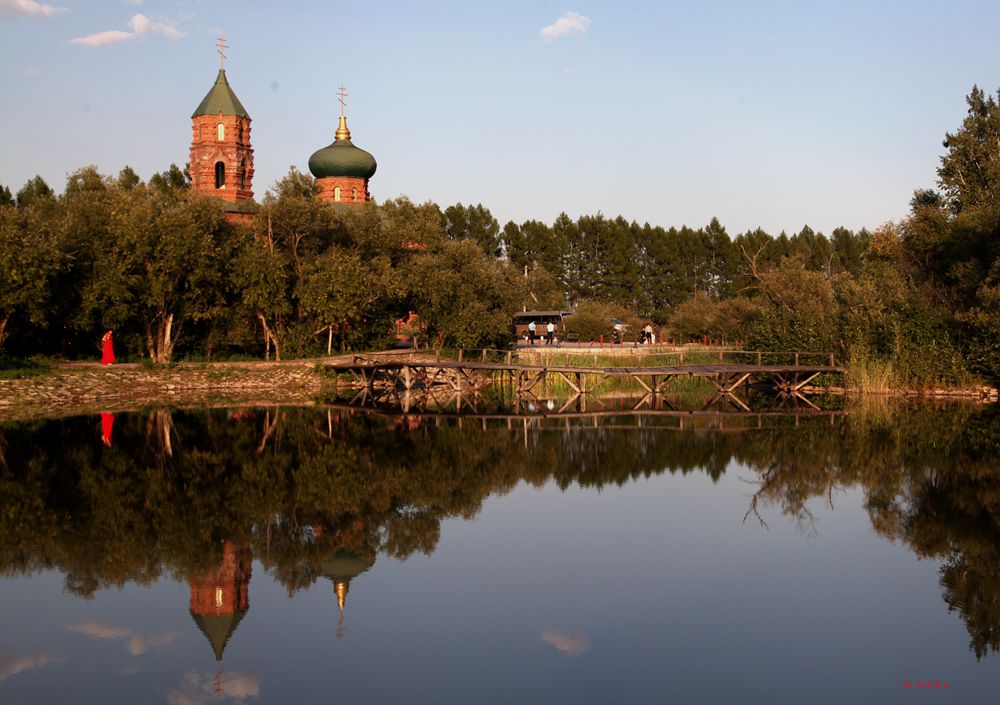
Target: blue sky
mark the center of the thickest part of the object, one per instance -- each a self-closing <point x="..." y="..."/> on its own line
<point x="763" y="114"/>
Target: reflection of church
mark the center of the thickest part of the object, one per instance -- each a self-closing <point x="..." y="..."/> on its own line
<point x="220" y="597"/>
<point x="221" y="161"/>
<point x="219" y="600"/>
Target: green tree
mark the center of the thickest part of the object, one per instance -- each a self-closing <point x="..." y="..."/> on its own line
<point x="33" y="191"/>
<point x="474" y="223"/>
<point x="464" y="298"/>
<point x="162" y="267"/>
<point x="344" y="294"/>
<point x="30" y="259"/>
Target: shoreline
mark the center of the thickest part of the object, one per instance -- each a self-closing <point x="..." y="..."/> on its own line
<point x="81" y="388"/>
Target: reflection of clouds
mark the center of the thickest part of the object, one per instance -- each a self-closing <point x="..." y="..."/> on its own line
<point x="19" y="664"/>
<point x="570" y="643"/>
<point x="199" y="689"/>
<point x="138" y="643"/>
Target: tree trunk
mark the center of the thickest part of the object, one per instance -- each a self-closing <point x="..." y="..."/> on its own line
<point x="269" y="336"/>
<point x="329" y="340"/>
<point x="3" y="328"/>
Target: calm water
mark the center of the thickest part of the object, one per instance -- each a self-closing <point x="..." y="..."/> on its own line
<point x="307" y="555"/>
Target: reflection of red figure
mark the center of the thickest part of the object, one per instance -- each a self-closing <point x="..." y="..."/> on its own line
<point x="109" y="349"/>
<point x="107" y="423"/>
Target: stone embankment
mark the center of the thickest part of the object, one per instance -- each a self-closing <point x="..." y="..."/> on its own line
<point x="85" y="387"/>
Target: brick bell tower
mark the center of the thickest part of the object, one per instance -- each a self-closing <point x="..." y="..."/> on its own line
<point x="221" y="156"/>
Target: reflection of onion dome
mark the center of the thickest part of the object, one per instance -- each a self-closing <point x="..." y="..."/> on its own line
<point x="342" y="158"/>
<point x="342" y="567"/>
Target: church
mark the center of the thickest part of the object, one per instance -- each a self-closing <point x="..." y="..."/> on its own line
<point x="221" y="160"/>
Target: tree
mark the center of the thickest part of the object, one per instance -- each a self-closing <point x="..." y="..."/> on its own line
<point x="33" y="191"/>
<point x="342" y="293"/>
<point x="6" y="198"/>
<point x="970" y="168"/>
<point x="474" y="223"/>
<point x="162" y="266"/>
<point x="463" y="298"/>
<point x="128" y="179"/>
<point x="30" y="259"/>
<point x="173" y="180"/>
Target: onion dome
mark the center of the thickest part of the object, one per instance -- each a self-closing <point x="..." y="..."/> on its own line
<point x="342" y="158"/>
<point x="221" y="100"/>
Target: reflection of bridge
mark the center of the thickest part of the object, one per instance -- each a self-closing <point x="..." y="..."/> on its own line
<point x="413" y="380"/>
<point x="573" y="414"/>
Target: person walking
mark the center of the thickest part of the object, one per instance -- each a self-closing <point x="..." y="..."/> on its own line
<point x="531" y="333"/>
<point x="550" y="332"/>
<point x="108" y="351"/>
<point x="648" y="330"/>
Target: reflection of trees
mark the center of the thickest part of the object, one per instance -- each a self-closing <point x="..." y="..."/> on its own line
<point x="303" y="486"/>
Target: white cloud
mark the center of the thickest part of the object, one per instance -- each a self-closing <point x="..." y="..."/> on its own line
<point x="570" y="643"/>
<point x="140" y="26"/>
<point x="138" y="644"/>
<point x="571" y="24"/>
<point x="19" y="664"/>
<point x="103" y="38"/>
<point x="28" y="7"/>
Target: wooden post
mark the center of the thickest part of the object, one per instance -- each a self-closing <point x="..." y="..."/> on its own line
<point x="796" y="359"/>
<point x="460" y="351"/>
<point x="484" y="354"/>
<point x="720" y="356"/>
<point x="759" y="359"/>
<point x="507" y="358"/>
<point x="831" y="360"/>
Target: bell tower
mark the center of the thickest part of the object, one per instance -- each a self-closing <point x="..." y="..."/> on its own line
<point x="221" y="156"/>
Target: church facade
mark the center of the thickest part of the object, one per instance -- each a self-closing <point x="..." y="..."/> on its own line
<point x="221" y="158"/>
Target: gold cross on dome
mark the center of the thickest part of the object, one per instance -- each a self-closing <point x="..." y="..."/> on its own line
<point x="222" y="51"/>
<point x="343" y="94"/>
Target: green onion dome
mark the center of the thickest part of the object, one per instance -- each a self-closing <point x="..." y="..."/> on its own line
<point x="342" y="158"/>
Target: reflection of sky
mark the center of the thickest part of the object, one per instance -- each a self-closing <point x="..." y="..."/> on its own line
<point x="658" y="590"/>
<point x="201" y="688"/>
<point x="136" y="643"/>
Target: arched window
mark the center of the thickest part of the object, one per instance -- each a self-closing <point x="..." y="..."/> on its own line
<point x="220" y="130"/>
<point x="220" y="175"/>
<point x="336" y="194"/>
<point x="354" y="194"/>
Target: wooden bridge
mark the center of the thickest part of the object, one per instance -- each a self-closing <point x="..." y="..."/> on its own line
<point x="472" y="375"/>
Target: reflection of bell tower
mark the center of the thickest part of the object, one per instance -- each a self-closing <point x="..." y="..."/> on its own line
<point x="219" y="600"/>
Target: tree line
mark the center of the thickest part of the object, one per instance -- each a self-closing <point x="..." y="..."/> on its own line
<point x="915" y="301"/>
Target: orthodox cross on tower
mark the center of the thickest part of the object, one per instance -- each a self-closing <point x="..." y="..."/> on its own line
<point x="222" y="51"/>
<point x="343" y="94"/>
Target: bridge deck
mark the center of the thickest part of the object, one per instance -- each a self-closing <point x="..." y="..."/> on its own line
<point x="703" y="370"/>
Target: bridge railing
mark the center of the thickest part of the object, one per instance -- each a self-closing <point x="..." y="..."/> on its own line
<point x="642" y="356"/>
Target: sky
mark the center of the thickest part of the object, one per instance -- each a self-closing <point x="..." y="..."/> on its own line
<point x="763" y="114"/>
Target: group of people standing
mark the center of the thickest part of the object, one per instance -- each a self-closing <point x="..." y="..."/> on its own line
<point x="550" y="333"/>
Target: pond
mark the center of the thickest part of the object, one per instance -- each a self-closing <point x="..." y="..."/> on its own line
<point x="303" y="554"/>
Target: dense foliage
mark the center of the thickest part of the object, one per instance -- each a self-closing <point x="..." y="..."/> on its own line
<point x="915" y="301"/>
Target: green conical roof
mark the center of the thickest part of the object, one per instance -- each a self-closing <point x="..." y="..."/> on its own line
<point x="221" y="99"/>
<point x="217" y="629"/>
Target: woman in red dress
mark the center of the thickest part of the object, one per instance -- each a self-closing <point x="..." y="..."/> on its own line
<point x="109" y="349"/>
